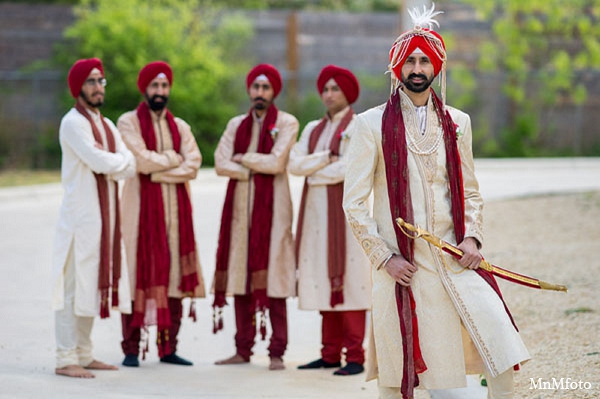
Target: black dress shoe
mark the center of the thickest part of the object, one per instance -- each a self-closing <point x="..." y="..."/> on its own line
<point x="174" y="359"/>
<point x="319" y="364"/>
<point x="350" y="369"/>
<point x="131" y="361"/>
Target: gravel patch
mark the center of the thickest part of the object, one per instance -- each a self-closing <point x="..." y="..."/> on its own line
<point x="555" y="239"/>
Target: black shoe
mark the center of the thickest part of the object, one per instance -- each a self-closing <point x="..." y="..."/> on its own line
<point x="131" y="361"/>
<point x="319" y="364"/>
<point x="174" y="359"/>
<point x="350" y="369"/>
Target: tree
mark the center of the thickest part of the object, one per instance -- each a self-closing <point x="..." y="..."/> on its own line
<point x="204" y="48"/>
<point x="540" y="48"/>
<point x="323" y="5"/>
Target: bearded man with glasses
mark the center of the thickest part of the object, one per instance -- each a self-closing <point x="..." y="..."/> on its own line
<point x="89" y="273"/>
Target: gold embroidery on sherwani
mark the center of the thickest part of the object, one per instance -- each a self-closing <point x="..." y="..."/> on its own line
<point x="465" y="316"/>
<point x="374" y="247"/>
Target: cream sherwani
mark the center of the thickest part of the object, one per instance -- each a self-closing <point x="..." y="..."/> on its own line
<point x="462" y="322"/>
<point x="281" y="278"/>
<point x="314" y="287"/>
<point x="164" y="167"/>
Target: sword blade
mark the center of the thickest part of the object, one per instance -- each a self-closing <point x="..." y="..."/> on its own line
<point x="495" y="270"/>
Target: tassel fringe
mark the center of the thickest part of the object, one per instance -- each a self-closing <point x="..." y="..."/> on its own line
<point x="263" y="325"/>
<point x="145" y="342"/>
<point x="192" y="313"/>
<point x="217" y="319"/>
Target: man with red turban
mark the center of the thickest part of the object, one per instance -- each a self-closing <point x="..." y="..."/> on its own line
<point x="434" y="318"/>
<point x="333" y="271"/>
<point x="255" y="255"/>
<point x="158" y="229"/>
<point x="89" y="273"/>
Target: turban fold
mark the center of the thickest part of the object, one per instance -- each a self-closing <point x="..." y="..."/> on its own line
<point x="344" y="78"/>
<point x="427" y="40"/>
<point x="80" y="71"/>
<point x="151" y="71"/>
<point x="270" y="72"/>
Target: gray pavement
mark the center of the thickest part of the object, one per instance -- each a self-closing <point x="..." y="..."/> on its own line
<point x="28" y="216"/>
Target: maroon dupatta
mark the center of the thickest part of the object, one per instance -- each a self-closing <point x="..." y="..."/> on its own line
<point x="153" y="254"/>
<point x="336" y="219"/>
<point x="109" y="259"/>
<point x="261" y="222"/>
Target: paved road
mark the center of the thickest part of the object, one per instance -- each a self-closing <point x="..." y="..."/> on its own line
<point x="28" y="216"/>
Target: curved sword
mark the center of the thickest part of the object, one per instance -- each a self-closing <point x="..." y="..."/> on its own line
<point x="414" y="232"/>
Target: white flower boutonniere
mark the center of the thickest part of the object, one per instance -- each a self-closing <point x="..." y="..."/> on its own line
<point x="274" y="131"/>
<point x="458" y="131"/>
<point x="343" y="135"/>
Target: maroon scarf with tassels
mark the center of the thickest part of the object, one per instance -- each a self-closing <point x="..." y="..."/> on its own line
<point x="397" y="176"/>
<point x="108" y="257"/>
<point x="261" y="221"/>
<point x="336" y="219"/>
<point x="153" y="255"/>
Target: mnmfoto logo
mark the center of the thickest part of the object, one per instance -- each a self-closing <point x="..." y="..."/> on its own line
<point x="563" y="383"/>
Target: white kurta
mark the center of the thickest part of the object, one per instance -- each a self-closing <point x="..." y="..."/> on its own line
<point x="314" y="287"/>
<point x="79" y="222"/>
<point x="281" y="275"/>
<point x="449" y="300"/>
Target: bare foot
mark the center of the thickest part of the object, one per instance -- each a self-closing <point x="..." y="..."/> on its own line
<point x="74" y="370"/>
<point x="235" y="359"/>
<point x="98" y="365"/>
<point x="276" y="364"/>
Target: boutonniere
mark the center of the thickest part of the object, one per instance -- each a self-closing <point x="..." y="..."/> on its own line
<point x="273" y="130"/>
<point x="458" y="131"/>
<point x="343" y="135"/>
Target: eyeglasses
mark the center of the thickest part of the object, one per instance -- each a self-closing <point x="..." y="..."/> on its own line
<point x="94" y="82"/>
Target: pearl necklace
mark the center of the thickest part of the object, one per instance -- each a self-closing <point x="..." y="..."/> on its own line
<point x="421" y="144"/>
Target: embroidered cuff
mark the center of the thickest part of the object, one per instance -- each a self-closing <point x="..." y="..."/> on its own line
<point x="477" y="236"/>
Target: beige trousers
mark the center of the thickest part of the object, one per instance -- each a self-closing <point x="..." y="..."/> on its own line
<point x="501" y="387"/>
<point x="73" y="333"/>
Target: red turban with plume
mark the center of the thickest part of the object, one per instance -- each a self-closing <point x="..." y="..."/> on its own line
<point x="423" y="37"/>
<point x="344" y="78"/>
<point x="151" y="71"/>
<point x="80" y="71"/>
<point x="270" y="72"/>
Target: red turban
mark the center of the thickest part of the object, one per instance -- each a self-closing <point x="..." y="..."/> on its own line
<point x="428" y="40"/>
<point x="270" y="72"/>
<point x="80" y="71"/>
<point x="150" y="72"/>
<point x="344" y="78"/>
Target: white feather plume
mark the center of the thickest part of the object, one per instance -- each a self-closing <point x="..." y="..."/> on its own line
<point x="424" y="19"/>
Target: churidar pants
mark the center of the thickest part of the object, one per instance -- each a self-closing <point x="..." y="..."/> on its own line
<point x="132" y="335"/>
<point x="73" y="333"/>
<point x="246" y="325"/>
<point x="343" y="329"/>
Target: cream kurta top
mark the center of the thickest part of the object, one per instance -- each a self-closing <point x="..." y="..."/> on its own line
<point x="462" y="322"/>
<point x="163" y="166"/>
<point x="314" y="287"/>
<point x="79" y="223"/>
<point x="281" y="277"/>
